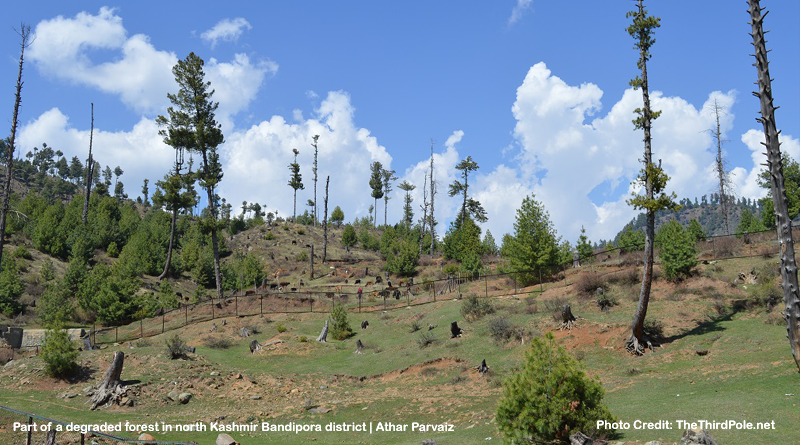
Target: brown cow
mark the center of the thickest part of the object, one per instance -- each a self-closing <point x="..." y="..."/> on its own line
<point x="369" y="283"/>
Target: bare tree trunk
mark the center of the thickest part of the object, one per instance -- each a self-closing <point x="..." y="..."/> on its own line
<point x="359" y="347"/>
<point x="214" y="240"/>
<point x="783" y="223"/>
<point x="325" y="223"/>
<point x="424" y="213"/>
<point x="24" y="33"/>
<point x="111" y="387"/>
<point x="89" y="173"/>
<point x="567" y="318"/>
<point x="432" y="223"/>
<point x="721" y="172"/>
<point x="323" y="336"/>
<point x="171" y="239"/>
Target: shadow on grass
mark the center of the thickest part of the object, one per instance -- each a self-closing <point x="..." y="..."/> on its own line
<point x="705" y="327"/>
<point x="81" y="374"/>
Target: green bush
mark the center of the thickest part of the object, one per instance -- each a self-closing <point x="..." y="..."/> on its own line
<point x="10" y="289"/>
<point x="269" y="236"/>
<point x="341" y="329"/>
<point x="280" y="328"/>
<point x="550" y="398"/>
<point x="22" y="252"/>
<point x="58" y="353"/>
<point x="112" y="250"/>
<point x="474" y="308"/>
<point x="303" y="256"/>
<point x="402" y="257"/>
<point x="349" y="238"/>
<point x="48" y="272"/>
<point x="678" y="253"/>
<point x="176" y="347"/>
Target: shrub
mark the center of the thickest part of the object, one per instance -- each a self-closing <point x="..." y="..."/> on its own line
<point x="678" y="252"/>
<point x="415" y="326"/>
<point x="503" y="330"/>
<point x="301" y="231"/>
<point x="473" y="308"/>
<point x="48" y="272"/>
<point x="550" y="398"/>
<point x="629" y="276"/>
<point x="269" y="236"/>
<point x="303" y="256"/>
<point x="218" y="343"/>
<point x="22" y="252"/>
<point x="58" y="353"/>
<point x="341" y="329"/>
<point x="112" y="250"/>
<point x="280" y="328"/>
<point x="588" y="283"/>
<point x="176" y="347"/>
<point x="725" y="247"/>
<point x="303" y="339"/>
<point x="349" y="238"/>
<point x="606" y="301"/>
<point x="425" y="340"/>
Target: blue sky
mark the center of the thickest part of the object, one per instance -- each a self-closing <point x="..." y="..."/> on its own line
<point x="536" y="92"/>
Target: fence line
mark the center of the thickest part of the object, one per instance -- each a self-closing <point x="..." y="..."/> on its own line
<point x="261" y="302"/>
<point x="9" y="416"/>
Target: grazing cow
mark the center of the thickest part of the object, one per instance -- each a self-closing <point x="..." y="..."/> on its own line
<point x="284" y="283"/>
<point x="294" y="242"/>
<point x="384" y="293"/>
<point x="358" y="281"/>
<point x="329" y="294"/>
<point x="301" y="284"/>
<point x="369" y="283"/>
<point x="247" y="293"/>
<point x="364" y="324"/>
<point x="308" y="246"/>
<point x="378" y="279"/>
<point x="338" y="289"/>
<point x="294" y="289"/>
<point x="273" y="285"/>
<point x="396" y="294"/>
<point x="345" y="281"/>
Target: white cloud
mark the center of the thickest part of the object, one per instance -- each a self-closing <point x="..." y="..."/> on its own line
<point x="519" y="9"/>
<point x="747" y="181"/>
<point x="257" y="159"/>
<point x="137" y="72"/>
<point x="228" y="30"/>
<point x="140" y="151"/>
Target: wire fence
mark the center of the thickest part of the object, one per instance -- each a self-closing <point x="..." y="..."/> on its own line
<point x="22" y="428"/>
<point x="379" y="294"/>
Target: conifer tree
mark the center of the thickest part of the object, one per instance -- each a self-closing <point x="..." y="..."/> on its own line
<point x="295" y="181"/>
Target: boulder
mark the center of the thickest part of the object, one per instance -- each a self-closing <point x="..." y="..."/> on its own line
<point x="224" y="439"/>
<point x="173" y="395"/>
<point x="697" y="437"/>
<point x="184" y="397"/>
<point x="145" y="438"/>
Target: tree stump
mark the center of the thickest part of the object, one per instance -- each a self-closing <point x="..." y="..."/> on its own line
<point x="244" y="332"/>
<point x="110" y="389"/>
<point x="455" y="331"/>
<point x="323" y="336"/>
<point x="483" y="369"/>
<point x="364" y="324"/>
<point x="50" y="439"/>
<point x="254" y="346"/>
<point x="567" y="319"/>
<point x="580" y="439"/>
<point x="359" y="347"/>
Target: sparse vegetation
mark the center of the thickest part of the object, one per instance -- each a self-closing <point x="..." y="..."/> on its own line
<point x="474" y="308"/>
<point x="58" y="353"/>
<point x="425" y="339"/>
<point x="176" y="347"/>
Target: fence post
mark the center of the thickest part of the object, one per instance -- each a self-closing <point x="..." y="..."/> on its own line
<point x="236" y="296"/>
<point x="541" y="285"/>
<point x="185" y="315"/>
<point x="212" y="308"/>
<point x="714" y="247"/>
<point x="486" y="284"/>
<point x="515" y="283"/>
<point x="83" y="438"/>
<point x="312" y="304"/>
<point x="141" y="327"/>
<point x="384" y="302"/>
<point x="94" y="333"/>
<point x="261" y="297"/>
<point x="116" y="334"/>
<point x="163" y="315"/>
<point x="433" y="290"/>
<point x="30" y="432"/>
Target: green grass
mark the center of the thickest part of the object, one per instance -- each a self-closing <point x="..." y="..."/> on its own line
<point x="745" y="376"/>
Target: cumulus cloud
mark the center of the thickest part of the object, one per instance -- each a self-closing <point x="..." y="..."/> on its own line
<point x="140" y="151"/>
<point x="228" y="30"/>
<point x="257" y="159"/>
<point x="519" y="9"/>
<point x="747" y="181"/>
<point x="138" y="73"/>
<point x="580" y="166"/>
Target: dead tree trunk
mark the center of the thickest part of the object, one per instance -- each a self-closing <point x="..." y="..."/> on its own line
<point x="171" y="239"/>
<point x="359" y="347"/>
<point x="483" y="369"/>
<point x="782" y="221"/>
<point x="50" y="439"/>
<point x="567" y="318"/>
<point x="110" y="389"/>
<point x="24" y="33"/>
<point x="325" y="224"/>
<point x="254" y="346"/>
<point x="432" y="222"/>
<point x="323" y="336"/>
<point x="89" y="173"/>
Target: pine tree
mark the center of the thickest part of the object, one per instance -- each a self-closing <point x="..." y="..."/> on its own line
<point x="387" y="176"/>
<point x="376" y="184"/>
<point x="295" y="181"/>
<point x="408" y="211"/>
<point x="192" y="125"/>
<point x="651" y="177"/>
<point x="584" y="246"/>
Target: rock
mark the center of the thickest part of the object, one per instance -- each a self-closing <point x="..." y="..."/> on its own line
<point x="144" y="437"/>
<point x="653" y="442"/>
<point x="214" y="373"/>
<point x="224" y="439"/>
<point x="88" y="389"/>
<point x="173" y="395"/>
<point x="255" y="397"/>
<point x="319" y="410"/>
<point x="697" y="436"/>
<point x="580" y="439"/>
<point x="184" y="397"/>
<point x="429" y="442"/>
